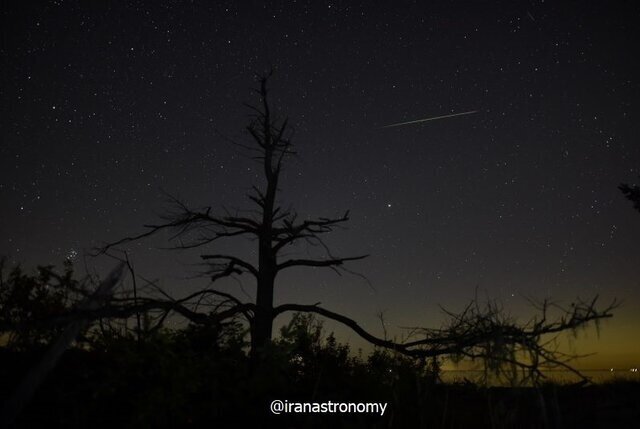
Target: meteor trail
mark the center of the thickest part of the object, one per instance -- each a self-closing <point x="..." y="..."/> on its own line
<point x="430" y="119"/>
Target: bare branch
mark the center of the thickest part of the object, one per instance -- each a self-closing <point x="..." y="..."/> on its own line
<point x="345" y="321"/>
<point x="290" y="231"/>
<point x="334" y="262"/>
<point x="487" y="334"/>
<point x="232" y="261"/>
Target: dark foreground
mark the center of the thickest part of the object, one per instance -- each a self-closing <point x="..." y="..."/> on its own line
<point x="175" y="385"/>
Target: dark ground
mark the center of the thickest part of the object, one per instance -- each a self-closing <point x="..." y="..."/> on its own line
<point x="174" y="385"/>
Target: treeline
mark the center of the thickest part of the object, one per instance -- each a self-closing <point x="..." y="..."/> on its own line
<point x="119" y="374"/>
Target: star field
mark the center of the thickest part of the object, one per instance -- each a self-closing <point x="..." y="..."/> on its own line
<point x="107" y="107"/>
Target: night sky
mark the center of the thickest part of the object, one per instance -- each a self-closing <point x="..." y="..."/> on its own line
<point x="106" y="107"/>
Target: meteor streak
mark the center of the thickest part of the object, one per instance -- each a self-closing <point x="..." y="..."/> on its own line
<point x="430" y="119"/>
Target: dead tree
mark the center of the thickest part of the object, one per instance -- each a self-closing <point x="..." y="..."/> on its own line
<point x="476" y="333"/>
<point x="510" y="350"/>
<point x="273" y="226"/>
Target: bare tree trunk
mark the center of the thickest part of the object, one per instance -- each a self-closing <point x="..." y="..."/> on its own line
<point x="263" y="320"/>
<point x="267" y="268"/>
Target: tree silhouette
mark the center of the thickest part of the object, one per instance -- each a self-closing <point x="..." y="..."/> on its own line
<point x="479" y="332"/>
<point x="36" y="375"/>
<point x="273" y="226"/>
<point x="28" y="301"/>
<point x="632" y="193"/>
